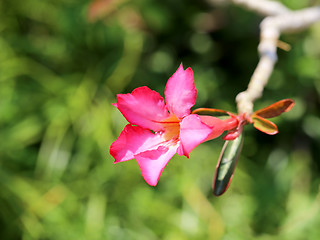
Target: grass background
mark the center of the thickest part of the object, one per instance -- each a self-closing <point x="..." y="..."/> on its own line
<point x="62" y="62"/>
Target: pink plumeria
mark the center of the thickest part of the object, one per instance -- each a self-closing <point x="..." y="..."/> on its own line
<point x="156" y="131"/>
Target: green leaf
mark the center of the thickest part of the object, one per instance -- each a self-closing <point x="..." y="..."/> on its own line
<point x="264" y="125"/>
<point x="275" y="109"/>
<point x="226" y="165"/>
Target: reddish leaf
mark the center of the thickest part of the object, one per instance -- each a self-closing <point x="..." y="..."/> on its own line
<point x="264" y="125"/>
<point x="275" y="109"/>
<point x="211" y="112"/>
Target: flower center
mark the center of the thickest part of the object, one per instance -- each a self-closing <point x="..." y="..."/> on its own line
<point x="171" y="127"/>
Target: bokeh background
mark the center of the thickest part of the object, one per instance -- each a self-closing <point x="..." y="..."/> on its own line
<point x="62" y="62"/>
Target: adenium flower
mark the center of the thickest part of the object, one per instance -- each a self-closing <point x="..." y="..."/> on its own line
<point x="156" y="131"/>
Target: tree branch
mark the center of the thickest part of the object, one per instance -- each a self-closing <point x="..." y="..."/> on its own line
<point x="263" y="7"/>
<point x="279" y="20"/>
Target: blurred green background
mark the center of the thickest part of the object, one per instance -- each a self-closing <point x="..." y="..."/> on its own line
<point x="62" y="62"/>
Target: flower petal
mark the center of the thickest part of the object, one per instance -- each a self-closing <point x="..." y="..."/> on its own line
<point x="153" y="162"/>
<point x="219" y="126"/>
<point x="134" y="140"/>
<point x="192" y="132"/>
<point x="180" y="92"/>
<point x="143" y="107"/>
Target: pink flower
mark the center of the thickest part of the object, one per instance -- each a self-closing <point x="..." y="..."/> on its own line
<point x="157" y="131"/>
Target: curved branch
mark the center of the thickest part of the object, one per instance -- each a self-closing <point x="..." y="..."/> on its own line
<point x="271" y="28"/>
<point x="263" y="7"/>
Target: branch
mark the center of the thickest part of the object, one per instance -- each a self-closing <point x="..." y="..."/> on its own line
<point x="280" y="20"/>
<point x="263" y="7"/>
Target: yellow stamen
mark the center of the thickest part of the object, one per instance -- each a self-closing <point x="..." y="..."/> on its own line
<point x="171" y="127"/>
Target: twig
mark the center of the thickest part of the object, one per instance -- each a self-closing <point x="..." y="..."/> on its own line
<point x="263" y="7"/>
<point x="279" y="20"/>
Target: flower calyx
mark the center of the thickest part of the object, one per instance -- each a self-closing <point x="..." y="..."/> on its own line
<point x="258" y="118"/>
